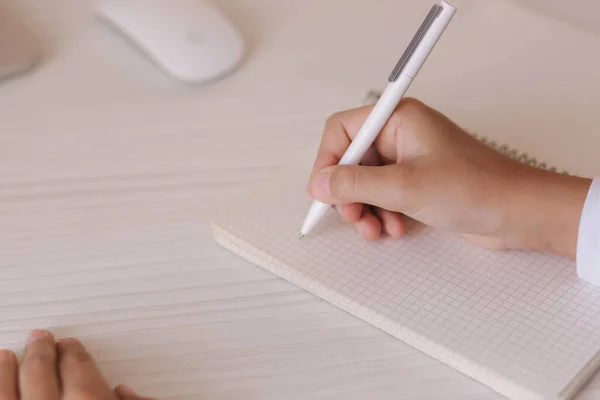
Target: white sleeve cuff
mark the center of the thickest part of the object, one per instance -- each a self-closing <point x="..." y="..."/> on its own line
<point x="588" y="240"/>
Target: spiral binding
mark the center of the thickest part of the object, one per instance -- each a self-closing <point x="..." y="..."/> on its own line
<point x="373" y="96"/>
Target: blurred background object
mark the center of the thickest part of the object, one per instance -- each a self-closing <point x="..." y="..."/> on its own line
<point x="19" y="50"/>
<point x="583" y="14"/>
<point x="191" y="40"/>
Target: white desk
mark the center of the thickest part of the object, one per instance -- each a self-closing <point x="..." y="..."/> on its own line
<point x="110" y="172"/>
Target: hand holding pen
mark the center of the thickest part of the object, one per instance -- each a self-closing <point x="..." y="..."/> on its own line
<point x="400" y="80"/>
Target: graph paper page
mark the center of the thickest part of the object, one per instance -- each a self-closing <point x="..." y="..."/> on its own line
<point x="521" y="323"/>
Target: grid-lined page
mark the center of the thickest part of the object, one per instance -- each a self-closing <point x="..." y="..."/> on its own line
<point x="519" y="322"/>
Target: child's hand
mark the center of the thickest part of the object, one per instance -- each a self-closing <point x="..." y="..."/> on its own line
<point x="424" y="166"/>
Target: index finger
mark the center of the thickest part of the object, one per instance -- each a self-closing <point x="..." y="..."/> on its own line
<point x="38" y="375"/>
<point x="340" y="129"/>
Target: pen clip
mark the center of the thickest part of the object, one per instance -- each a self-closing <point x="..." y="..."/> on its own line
<point x="412" y="46"/>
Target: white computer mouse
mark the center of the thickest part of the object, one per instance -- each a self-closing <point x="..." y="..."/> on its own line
<point x="191" y="40"/>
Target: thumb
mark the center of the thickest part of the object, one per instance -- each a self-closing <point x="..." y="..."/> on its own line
<point x="380" y="186"/>
<point x="127" y="393"/>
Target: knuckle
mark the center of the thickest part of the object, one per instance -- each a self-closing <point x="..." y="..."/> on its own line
<point x="39" y="361"/>
<point x="412" y="105"/>
<point x="408" y="109"/>
<point x="344" y="181"/>
<point x="353" y="180"/>
<point x="338" y="118"/>
<point x="333" y="119"/>
<point x="409" y="116"/>
<point x="80" y="356"/>
<point x="73" y="352"/>
<point x="76" y="354"/>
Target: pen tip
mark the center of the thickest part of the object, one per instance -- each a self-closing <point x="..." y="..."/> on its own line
<point x="301" y="235"/>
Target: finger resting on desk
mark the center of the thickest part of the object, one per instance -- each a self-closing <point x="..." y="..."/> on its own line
<point x="79" y="372"/>
<point x="38" y="377"/>
<point x="9" y="371"/>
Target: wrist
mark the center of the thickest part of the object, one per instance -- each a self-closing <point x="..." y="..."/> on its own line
<point x="544" y="211"/>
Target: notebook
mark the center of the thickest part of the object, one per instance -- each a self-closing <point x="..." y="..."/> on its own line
<point x="519" y="322"/>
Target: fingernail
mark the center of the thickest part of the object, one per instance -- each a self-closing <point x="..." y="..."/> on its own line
<point x="322" y="188"/>
<point x="126" y="390"/>
<point x="362" y="230"/>
<point x="392" y="228"/>
<point x="37" y="335"/>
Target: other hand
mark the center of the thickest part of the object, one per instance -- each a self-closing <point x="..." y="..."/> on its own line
<point x="55" y="370"/>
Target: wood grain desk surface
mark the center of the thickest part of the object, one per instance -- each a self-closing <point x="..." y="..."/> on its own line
<point x="110" y="173"/>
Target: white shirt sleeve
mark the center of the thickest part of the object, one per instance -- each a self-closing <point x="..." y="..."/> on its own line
<point x="588" y="240"/>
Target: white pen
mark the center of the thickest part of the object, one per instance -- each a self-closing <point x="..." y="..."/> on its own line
<point x="399" y="81"/>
